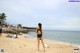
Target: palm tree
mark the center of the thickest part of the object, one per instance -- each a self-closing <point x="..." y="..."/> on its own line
<point x="2" y="18"/>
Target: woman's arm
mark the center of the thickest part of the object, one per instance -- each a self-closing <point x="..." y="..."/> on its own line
<point x="37" y="31"/>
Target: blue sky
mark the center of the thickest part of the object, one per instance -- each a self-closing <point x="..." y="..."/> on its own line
<point x="53" y="14"/>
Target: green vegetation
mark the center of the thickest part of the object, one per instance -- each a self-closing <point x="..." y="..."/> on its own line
<point x="2" y="18"/>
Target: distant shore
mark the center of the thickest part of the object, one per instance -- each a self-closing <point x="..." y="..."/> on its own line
<point x="17" y="30"/>
<point x="29" y="45"/>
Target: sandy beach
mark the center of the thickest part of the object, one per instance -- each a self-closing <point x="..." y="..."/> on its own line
<point x="29" y="45"/>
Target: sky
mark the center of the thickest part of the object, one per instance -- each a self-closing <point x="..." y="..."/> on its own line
<point x="53" y="14"/>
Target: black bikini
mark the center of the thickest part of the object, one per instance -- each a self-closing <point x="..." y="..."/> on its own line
<point x="39" y="35"/>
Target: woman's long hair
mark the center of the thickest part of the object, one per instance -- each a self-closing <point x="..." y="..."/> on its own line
<point x="40" y="27"/>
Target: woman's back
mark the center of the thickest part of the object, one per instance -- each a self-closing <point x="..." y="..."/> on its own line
<point x="39" y="31"/>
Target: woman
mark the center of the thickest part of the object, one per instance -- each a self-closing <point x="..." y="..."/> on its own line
<point x="39" y="36"/>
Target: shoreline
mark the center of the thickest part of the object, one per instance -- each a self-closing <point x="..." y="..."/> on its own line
<point x="59" y="42"/>
<point x="65" y="43"/>
<point x="29" y="45"/>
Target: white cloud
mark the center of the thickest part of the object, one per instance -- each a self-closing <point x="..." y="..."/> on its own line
<point x="52" y="13"/>
<point x="28" y="5"/>
<point x="64" y="23"/>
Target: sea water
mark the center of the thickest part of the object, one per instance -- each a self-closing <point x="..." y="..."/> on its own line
<point x="60" y="35"/>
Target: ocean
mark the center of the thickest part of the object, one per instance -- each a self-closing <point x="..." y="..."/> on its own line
<point x="60" y="35"/>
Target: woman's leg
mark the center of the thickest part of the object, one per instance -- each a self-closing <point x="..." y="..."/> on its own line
<point x="43" y="44"/>
<point x="0" y="34"/>
<point x="38" y="43"/>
